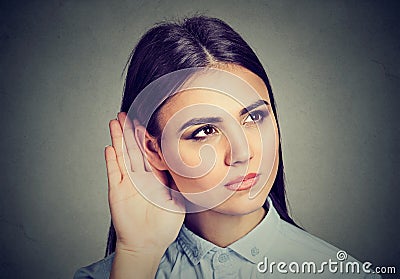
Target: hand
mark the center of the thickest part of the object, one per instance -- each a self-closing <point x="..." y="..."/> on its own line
<point x="140" y="225"/>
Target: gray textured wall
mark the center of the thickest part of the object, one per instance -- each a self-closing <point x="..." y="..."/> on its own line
<point x="335" y="69"/>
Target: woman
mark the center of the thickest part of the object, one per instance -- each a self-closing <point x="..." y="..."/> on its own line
<point x="180" y="210"/>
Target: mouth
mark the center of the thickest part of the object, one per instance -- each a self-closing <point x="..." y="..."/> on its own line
<point x="243" y="183"/>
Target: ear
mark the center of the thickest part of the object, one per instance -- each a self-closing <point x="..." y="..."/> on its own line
<point x="149" y="147"/>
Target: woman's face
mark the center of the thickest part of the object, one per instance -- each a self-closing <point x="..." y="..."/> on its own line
<point x="221" y="148"/>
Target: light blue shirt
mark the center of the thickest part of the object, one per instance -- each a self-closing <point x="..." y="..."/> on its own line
<point x="271" y="242"/>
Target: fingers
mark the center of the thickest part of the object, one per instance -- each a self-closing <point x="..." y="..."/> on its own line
<point x="135" y="155"/>
<point x="117" y="141"/>
<point x="113" y="171"/>
<point x="127" y="159"/>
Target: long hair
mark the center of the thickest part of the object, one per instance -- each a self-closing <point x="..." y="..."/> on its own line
<point x="198" y="41"/>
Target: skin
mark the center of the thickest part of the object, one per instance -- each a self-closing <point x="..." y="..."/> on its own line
<point x="235" y="217"/>
<point x="144" y="230"/>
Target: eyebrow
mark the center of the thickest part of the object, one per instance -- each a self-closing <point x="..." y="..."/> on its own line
<point x="253" y="106"/>
<point x="204" y="120"/>
<point x="201" y="120"/>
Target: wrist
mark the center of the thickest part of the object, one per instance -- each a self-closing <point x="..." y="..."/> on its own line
<point x="152" y="252"/>
<point x="130" y="263"/>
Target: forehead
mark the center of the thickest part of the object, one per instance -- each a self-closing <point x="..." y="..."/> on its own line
<point x="231" y="89"/>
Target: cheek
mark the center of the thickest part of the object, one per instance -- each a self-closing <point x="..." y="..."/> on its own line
<point x="192" y="156"/>
<point x="196" y="154"/>
<point x="255" y="141"/>
<point x="190" y="185"/>
<point x="200" y="184"/>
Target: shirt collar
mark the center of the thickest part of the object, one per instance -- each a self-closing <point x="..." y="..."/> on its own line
<point x="193" y="245"/>
<point x="253" y="246"/>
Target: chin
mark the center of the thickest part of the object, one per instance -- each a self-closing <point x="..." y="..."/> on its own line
<point x="243" y="207"/>
<point x="236" y="204"/>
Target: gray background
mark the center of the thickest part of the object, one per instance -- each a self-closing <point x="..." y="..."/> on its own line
<point x="334" y="67"/>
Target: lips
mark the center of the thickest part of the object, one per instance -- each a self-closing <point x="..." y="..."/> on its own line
<point x="243" y="182"/>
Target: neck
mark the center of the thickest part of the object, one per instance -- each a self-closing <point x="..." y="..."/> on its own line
<point x="223" y="229"/>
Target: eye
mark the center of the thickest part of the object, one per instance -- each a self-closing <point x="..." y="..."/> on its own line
<point x="203" y="132"/>
<point x="255" y="116"/>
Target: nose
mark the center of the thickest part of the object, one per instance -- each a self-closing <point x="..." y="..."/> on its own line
<point x="239" y="150"/>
